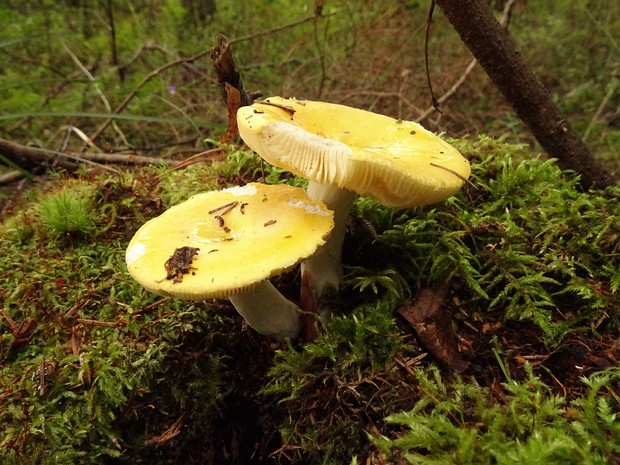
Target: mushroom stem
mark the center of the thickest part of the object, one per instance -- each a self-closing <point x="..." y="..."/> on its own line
<point x="324" y="268"/>
<point x="267" y="311"/>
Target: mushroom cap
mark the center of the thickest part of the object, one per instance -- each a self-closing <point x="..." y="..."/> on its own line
<point x="398" y="162"/>
<point x="219" y="243"/>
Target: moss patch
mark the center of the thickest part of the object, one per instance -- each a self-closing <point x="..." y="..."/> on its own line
<point x="95" y="370"/>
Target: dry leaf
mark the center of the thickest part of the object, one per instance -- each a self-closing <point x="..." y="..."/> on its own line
<point x="433" y="325"/>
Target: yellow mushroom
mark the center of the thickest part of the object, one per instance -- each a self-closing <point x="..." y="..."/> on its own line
<point x="343" y="151"/>
<point x="227" y="244"/>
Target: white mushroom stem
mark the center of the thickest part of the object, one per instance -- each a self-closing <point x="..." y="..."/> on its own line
<point x="324" y="268"/>
<point x="267" y="311"/>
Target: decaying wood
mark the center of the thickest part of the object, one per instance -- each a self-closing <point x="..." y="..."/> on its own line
<point x="233" y="103"/>
<point x="34" y="158"/>
<point x="498" y="55"/>
<point x="227" y="72"/>
<point x="432" y="323"/>
<point x="129" y="97"/>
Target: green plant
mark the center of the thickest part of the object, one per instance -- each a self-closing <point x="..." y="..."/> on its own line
<point x="67" y="212"/>
<point x="460" y="422"/>
<point x="95" y="370"/>
<point x="327" y="386"/>
<point x="512" y="237"/>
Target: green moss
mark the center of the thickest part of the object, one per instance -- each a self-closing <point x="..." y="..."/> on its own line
<point x="328" y="386"/>
<point x="523" y="244"/>
<point x="462" y="423"/>
<point x="523" y="238"/>
<point x="67" y="212"/>
<point x="93" y="369"/>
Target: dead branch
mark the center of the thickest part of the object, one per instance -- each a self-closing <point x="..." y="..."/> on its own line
<point x="129" y="97"/>
<point x="188" y="60"/>
<point x="127" y="159"/>
<point x="217" y="153"/>
<point x="33" y="158"/>
<point x="227" y="72"/>
<point x="453" y="90"/>
<point x="11" y="176"/>
<point x="282" y="27"/>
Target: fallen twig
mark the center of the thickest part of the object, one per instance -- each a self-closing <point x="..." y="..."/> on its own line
<point x="11" y="176"/>
<point x="33" y="157"/>
<point x="127" y="159"/>
<point x="30" y="158"/>
<point x="217" y="153"/>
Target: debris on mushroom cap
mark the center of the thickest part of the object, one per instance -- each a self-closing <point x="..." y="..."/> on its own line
<point x="398" y="162"/>
<point x="211" y="247"/>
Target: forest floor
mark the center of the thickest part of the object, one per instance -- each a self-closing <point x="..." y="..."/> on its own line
<point x="519" y="274"/>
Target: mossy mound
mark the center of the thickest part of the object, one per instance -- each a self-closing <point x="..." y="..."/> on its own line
<point x="95" y="370"/>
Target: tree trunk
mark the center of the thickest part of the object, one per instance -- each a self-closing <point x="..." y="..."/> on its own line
<point x="498" y="55"/>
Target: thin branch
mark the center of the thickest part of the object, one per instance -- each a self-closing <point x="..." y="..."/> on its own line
<point x="453" y="90"/>
<point x="138" y="52"/>
<point x="185" y="60"/>
<point x="129" y="97"/>
<point x="212" y="154"/>
<point x="497" y="53"/>
<point x="69" y="129"/>
<point x="32" y="157"/>
<point x="11" y="176"/>
<point x="380" y="94"/>
<point x="279" y="28"/>
<point x="102" y="97"/>
<point x="468" y="70"/>
<point x="126" y="159"/>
